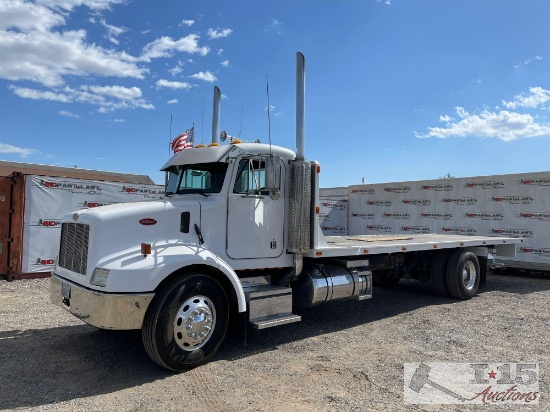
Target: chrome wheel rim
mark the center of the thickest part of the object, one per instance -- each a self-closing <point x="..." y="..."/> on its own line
<point x="194" y="323"/>
<point x="469" y="275"/>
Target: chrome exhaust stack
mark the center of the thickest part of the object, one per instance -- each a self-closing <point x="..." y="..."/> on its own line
<point x="300" y="105"/>
<point x="216" y="115"/>
<point x="299" y="219"/>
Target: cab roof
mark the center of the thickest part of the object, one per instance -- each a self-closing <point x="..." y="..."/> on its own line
<point x="221" y="153"/>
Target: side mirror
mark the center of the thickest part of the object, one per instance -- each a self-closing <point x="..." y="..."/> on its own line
<point x="273" y="176"/>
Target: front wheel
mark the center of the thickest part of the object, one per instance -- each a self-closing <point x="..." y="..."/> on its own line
<point x="186" y="322"/>
<point x="463" y="274"/>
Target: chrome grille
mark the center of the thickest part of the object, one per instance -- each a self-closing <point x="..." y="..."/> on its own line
<point x="73" y="252"/>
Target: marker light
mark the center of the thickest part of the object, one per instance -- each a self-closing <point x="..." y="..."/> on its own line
<point x="200" y="146"/>
<point x="213" y="144"/>
<point x="236" y="141"/>
<point x="145" y="249"/>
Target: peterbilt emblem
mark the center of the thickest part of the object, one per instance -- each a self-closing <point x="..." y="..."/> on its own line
<point x="148" y="221"/>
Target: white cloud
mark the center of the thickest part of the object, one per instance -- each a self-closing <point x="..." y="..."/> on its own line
<point x="146" y="31"/>
<point x="119" y="120"/>
<point x="21" y="151"/>
<point x="26" y="16"/>
<point x="220" y="52"/>
<point x="188" y="23"/>
<point x="165" y="47"/>
<point x="386" y="2"/>
<point x="225" y="63"/>
<point x="45" y="57"/>
<point x="128" y="98"/>
<point x="206" y="76"/>
<point x="120" y="92"/>
<point x="113" y="31"/>
<point x="528" y="61"/>
<point x="68" y="114"/>
<point x="69" y="5"/>
<point x="504" y="125"/>
<point x="219" y="33"/>
<point x="173" y="85"/>
<point x="173" y="101"/>
<point x="537" y="97"/>
<point x="33" y="94"/>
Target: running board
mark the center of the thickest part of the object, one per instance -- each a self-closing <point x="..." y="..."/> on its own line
<point x="274" y="321"/>
<point x="268" y="305"/>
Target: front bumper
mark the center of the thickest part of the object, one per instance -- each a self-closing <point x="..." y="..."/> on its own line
<point x="102" y="310"/>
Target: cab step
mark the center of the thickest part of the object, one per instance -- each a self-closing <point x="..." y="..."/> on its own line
<point x="269" y="305"/>
<point x="274" y="321"/>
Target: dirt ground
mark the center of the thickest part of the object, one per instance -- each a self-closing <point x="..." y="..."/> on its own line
<point x="344" y="356"/>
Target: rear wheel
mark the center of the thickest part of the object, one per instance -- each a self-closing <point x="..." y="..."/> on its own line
<point x="186" y="322"/>
<point x="463" y="274"/>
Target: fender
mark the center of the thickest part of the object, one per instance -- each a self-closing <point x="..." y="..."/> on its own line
<point x="131" y="273"/>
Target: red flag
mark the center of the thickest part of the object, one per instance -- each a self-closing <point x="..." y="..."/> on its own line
<point x="183" y="141"/>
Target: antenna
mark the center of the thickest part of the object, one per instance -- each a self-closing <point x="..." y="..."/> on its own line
<point x="202" y="119"/>
<point x="241" y="125"/>
<point x="268" y="113"/>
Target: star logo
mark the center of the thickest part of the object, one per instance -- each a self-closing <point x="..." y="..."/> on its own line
<point x="492" y="374"/>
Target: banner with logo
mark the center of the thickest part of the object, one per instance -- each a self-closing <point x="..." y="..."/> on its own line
<point x="516" y="205"/>
<point x="48" y="199"/>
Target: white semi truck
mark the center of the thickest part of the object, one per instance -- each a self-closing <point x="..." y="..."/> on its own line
<point x="238" y="236"/>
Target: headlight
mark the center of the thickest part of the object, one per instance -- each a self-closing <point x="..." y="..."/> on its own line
<point x="99" y="277"/>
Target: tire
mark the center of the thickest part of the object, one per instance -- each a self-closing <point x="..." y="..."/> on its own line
<point x="186" y="322"/>
<point x="438" y="272"/>
<point x="384" y="280"/>
<point x="463" y="274"/>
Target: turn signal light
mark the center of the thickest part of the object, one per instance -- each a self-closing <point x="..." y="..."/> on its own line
<point x="145" y="249"/>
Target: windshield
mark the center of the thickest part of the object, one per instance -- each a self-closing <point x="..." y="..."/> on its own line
<point x="198" y="178"/>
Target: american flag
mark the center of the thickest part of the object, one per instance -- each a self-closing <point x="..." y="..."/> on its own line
<point x="183" y="141"/>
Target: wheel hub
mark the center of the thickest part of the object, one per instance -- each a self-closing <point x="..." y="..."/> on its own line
<point x="469" y="275"/>
<point x="194" y="323"/>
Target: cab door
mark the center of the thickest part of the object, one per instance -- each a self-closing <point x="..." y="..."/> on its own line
<point x="255" y="219"/>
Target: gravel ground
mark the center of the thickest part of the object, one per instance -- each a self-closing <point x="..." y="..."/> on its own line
<point x="345" y="356"/>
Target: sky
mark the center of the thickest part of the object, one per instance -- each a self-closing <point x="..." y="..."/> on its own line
<point x="396" y="90"/>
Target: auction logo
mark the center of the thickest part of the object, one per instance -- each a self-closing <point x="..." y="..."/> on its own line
<point x="43" y="262"/>
<point x="415" y="229"/>
<point x="93" y="203"/>
<point x="363" y="191"/>
<point x="535" y="216"/>
<point x="485" y="185"/>
<point x="461" y="200"/>
<point x="66" y="185"/>
<point x="471" y="383"/>
<point x="47" y="223"/>
<point x="460" y="230"/>
<point x="141" y="190"/>
<point x="379" y="228"/>
<point x="485" y="216"/>
<point x="335" y="229"/>
<point x="334" y="205"/>
<point x="363" y="215"/>
<point x="384" y="203"/>
<point x="397" y="215"/>
<point x="417" y="202"/>
<point x="438" y="188"/>
<point x="512" y="232"/>
<point x="535" y="251"/>
<point x="440" y="216"/>
<point x="535" y="182"/>
<point x="514" y="200"/>
<point x="398" y="189"/>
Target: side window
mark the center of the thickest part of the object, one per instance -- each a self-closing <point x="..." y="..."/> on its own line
<point x="250" y="176"/>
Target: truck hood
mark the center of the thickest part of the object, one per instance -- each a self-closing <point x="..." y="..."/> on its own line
<point x="118" y="230"/>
